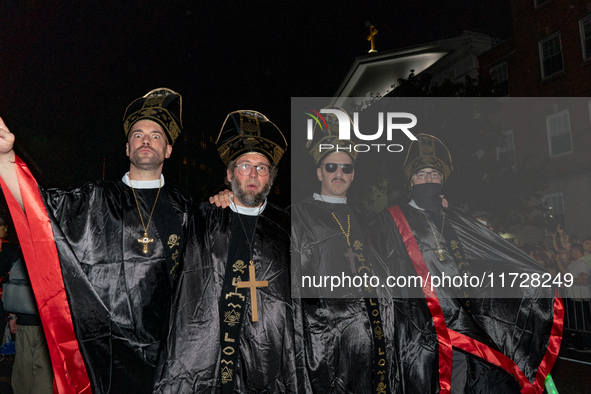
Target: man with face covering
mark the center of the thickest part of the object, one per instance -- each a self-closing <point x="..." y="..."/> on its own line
<point x="457" y="338"/>
<point x="232" y="328"/>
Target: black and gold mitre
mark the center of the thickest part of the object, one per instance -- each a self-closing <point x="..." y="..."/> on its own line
<point x="324" y="136"/>
<point x="427" y="152"/>
<point x="163" y="106"/>
<point x="248" y="131"/>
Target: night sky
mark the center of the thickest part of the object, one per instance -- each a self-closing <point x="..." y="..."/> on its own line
<point x="69" y="69"/>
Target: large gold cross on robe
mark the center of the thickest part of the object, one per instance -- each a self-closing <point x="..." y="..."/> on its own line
<point x="253" y="284"/>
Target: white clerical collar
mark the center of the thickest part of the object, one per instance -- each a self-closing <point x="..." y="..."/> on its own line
<point x="332" y="200"/>
<point x="246" y="210"/>
<point x="413" y="204"/>
<point x="155" y="184"/>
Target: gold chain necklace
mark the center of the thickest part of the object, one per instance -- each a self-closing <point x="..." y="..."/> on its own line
<point x="439" y="248"/>
<point x="145" y="240"/>
<point x="342" y="229"/>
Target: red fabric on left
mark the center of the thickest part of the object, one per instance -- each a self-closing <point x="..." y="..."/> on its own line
<point x="41" y="257"/>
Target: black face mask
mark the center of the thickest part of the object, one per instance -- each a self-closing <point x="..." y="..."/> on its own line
<point x="426" y="196"/>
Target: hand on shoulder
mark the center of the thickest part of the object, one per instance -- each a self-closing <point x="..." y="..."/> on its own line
<point x="222" y="199"/>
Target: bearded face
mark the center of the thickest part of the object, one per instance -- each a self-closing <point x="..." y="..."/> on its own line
<point x="247" y="195"/>
<point x="250" y="189"/>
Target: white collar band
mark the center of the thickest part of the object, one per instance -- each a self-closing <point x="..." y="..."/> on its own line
<point x="332" y="200"/>
<point x="247" y="210"/>
<point x="413" y="204"/>
<point x="155" y="184"/>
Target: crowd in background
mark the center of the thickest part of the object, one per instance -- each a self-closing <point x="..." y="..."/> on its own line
<point x="569" y="255"/>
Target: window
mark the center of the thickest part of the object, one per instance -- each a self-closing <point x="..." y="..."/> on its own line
<point x="551" y="55"/>
<point x="506" y="153"/>
<point x="585" y="28"/>
<point x="554" y="214"/>
<point x="500" y="76"/>
<point x="559" y="135"/>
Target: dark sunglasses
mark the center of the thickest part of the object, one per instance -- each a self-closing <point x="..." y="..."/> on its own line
<point x="332" y="167"/>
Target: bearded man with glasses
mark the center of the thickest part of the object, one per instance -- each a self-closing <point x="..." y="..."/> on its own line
<point x="232" y="327"/>
<point x="250" y="185"/>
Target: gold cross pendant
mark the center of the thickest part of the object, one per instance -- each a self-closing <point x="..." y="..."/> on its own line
<point x="253" y="284"/>
<point x="440" y="253"/>
<point x="145" y="240"/>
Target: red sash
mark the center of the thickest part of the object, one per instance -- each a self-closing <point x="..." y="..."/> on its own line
<point x="448" y="338"/>
<point x="40" y="253"/>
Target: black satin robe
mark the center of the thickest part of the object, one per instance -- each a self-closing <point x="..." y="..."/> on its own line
<point x="119" y="297"/>
<point x="267" y="359"/>
<point x="520" y="327"/>
<point x="337" y="333"/>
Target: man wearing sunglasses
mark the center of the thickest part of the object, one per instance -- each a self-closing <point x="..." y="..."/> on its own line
<point x="336" y="175"/>
<point x="460" y="337"/>
<point x="232" y="325"/>
<point x="346" y="345"/>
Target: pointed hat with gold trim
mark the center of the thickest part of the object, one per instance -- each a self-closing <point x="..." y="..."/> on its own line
<point x="248" y="131"/>
<point x="427" y="152"/>
<point x="163" y="106"/>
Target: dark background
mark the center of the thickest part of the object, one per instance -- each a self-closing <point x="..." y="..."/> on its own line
<point x="68" y="70"/>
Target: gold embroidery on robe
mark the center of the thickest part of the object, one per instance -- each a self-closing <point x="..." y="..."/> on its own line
<point x="173" y="240"/>
<point x="239" y="266"/>
<point x="226" y="374"/>
<point x="378" y="332"/>
<point x="232" y="317"/>
<point x="358" y="245"/>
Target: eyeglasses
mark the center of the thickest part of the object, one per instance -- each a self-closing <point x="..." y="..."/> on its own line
<point x="433" y="174"/>
<point x="332" y="167"/>
<point x="246" y="169"/>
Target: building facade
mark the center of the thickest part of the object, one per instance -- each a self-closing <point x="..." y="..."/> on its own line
<point x="549" y="55"/>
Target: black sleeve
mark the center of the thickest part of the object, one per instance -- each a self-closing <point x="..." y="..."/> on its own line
<point x="9" y="254"/>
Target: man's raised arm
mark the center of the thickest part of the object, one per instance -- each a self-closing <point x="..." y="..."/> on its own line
<point x="7" y="165"/>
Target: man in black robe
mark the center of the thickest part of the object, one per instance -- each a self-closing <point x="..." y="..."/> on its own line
<point x="348" y="332"/>
<point x="457" y="338"/>
<point x="119" y="246"/>
<point x="232" y="325"/>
